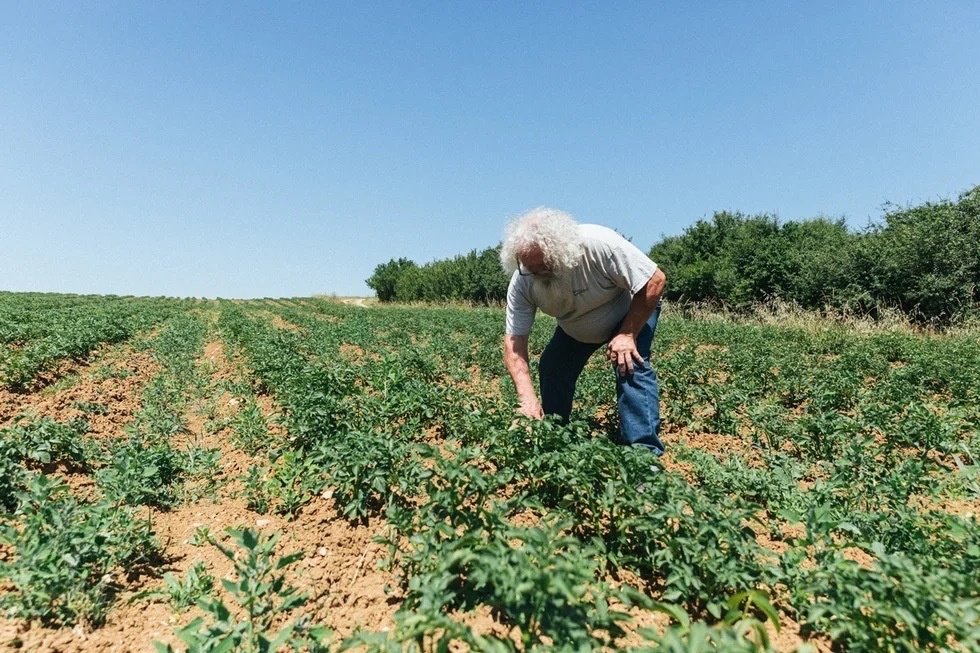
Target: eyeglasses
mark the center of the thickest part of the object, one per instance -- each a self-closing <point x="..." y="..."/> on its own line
<point x="521" y="270"/>
<point x="525" y="272"/>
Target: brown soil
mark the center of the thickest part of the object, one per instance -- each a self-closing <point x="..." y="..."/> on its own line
<point x="356" y="354"/>
<point x="110" y="384"/>
<point x="280" y="323"/>
<point x="106" y="402"/>
<point x="339" y="571"/>
<point x="475" y="383"/>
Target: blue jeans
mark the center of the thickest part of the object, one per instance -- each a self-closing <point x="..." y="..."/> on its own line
<point x="637" y="394"/>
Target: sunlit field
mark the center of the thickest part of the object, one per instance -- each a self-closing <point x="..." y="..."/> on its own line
<point x="308" y="474"/>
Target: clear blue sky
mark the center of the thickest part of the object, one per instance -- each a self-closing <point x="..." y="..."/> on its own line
<point x="286" y="148"/>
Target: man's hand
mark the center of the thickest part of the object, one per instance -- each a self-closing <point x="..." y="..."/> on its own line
<point x="621" y="350"/>
<point x="622" y="353"/>
<point x="515" y="359"/>
<point x="531" y="408"/>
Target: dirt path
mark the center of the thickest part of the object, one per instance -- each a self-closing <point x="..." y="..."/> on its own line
<point x="362" y="302"/>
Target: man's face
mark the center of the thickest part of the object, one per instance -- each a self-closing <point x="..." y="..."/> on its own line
<point x="532" y="261"/>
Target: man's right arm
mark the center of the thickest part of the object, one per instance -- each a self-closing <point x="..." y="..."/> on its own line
<point x="516" y="360"/>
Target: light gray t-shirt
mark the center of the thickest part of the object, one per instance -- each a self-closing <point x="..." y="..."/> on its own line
<point x="589" y="300"/>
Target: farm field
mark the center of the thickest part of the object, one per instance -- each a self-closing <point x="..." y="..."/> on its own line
<point x="300" y="473"/>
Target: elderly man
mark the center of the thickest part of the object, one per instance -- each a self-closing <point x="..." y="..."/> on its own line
<point x="603" y="290"/>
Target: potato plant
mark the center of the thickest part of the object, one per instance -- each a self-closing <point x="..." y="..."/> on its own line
<point x="37" y="331"/>
<point x="817" y="477"/>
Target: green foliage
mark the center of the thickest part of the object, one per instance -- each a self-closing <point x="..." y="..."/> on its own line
<point x="969" y="471"/>
<point x="474" y="277"/>
<point x="384" y="281"/>
<point x="369" y="471"/>
<point x="43" y="441"/>
<point x="47" y="329"/>
<point x="201" y="469"/>
<point x="91" y="407"/>
<point x="739" y="260"/>
<point x="740" y="630"/>
<point x="182" y="593"/>
<point x="145" y="468"/>
<point x="838" y="437"/>
<point x="924" y="260"/>
<point x="259" y="589"/>
<point x="820" y="467"/>
<point x="66" y="556"/>
<point x="539" y="579"/>
<point x="733" y="258"/>
<point x="32" y="442"/>
<point x="293" y="481"/>
<point x="194" y="586"/>
<point x="898" y="604"/>
<point x="142" y="472"/>
<point x="250" y="428"/>
<point x="13" y="477"/>
<point x="257" y="491"/>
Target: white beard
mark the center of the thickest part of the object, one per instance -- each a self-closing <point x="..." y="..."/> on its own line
<point x="553" y="295"/>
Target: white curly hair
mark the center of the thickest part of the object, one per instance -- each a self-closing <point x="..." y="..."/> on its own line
<point x="552" y="231"/>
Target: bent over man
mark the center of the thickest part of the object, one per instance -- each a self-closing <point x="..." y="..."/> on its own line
<point x="603" y="290"/>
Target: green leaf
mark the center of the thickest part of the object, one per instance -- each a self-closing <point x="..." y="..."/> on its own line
<point x="673" y="611"/>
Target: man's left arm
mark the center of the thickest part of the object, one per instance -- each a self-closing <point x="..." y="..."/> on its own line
<point x="621" y="350"/>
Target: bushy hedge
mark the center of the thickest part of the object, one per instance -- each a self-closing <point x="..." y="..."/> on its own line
<point x="738" y="259"/>
<point x="923" y="260"/>
<point x="475" y="277"/>
<point x="926" y="259"/>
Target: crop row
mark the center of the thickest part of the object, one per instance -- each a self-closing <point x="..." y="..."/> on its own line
<point x="812" y="479"/>
<point x="68" y="554"/>
<point x="37" y="332"/>
<point x="833" y="436"/>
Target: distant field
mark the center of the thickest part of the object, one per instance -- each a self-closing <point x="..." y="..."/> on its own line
<point x="199" y="474"/>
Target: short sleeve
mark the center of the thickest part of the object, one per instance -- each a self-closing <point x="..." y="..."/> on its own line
<point x="625" y="264"/>
<point x="520" y="308"/>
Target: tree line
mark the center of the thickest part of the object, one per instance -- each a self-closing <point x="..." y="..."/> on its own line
<point x="923" y="260"/>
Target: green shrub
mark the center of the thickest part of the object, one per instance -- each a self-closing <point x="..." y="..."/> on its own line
<point x="66" y="556"/>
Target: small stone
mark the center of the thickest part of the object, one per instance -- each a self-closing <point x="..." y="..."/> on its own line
<point x="322" y="552"/>
<point x="262" y="523"/>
